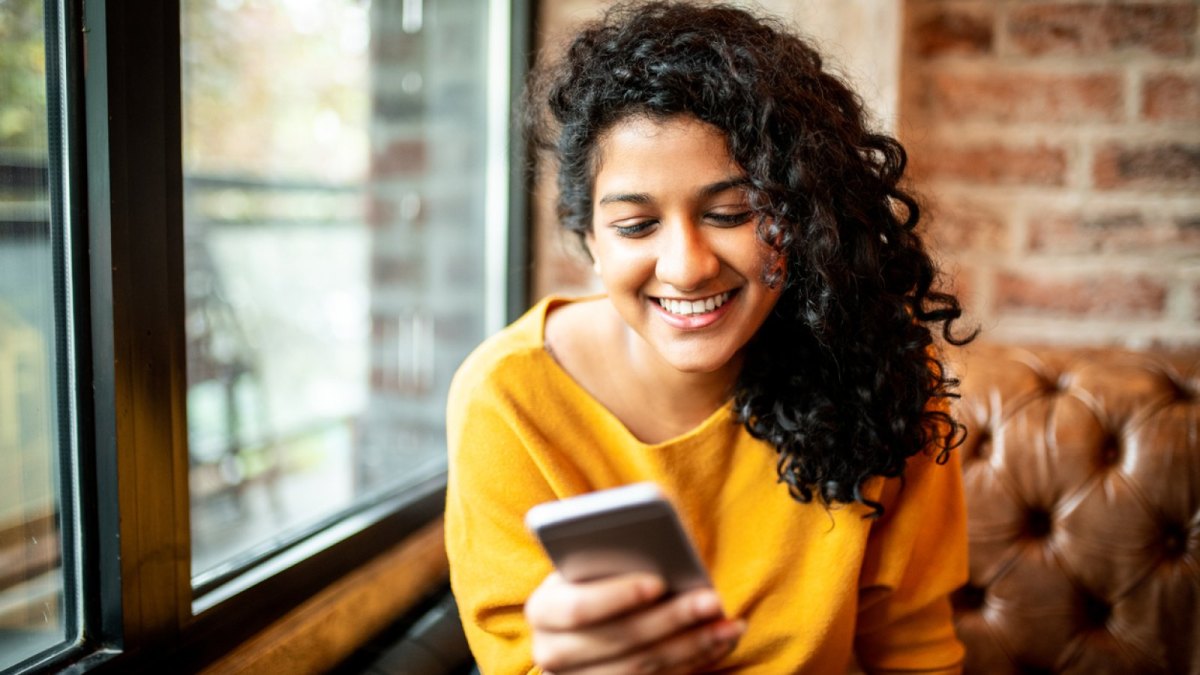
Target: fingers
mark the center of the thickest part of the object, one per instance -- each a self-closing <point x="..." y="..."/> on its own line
<point x="622" y="635"/>
<point x="557" y="605"/>
<point x="682" y="653"/>
<point x="622" y="625"/>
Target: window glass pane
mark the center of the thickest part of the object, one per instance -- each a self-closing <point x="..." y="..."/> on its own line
<point x="334" y="185"/>
<point x="31" y="570"/>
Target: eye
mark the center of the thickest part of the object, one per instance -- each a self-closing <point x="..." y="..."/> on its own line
<point x="636" y="229"/>
<point x="730" y="219"/>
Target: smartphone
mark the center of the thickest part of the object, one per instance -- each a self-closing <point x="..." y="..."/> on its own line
<point x="625" y="529"/>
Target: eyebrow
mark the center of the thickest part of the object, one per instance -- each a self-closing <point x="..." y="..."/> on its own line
<point x="706" y="191"/>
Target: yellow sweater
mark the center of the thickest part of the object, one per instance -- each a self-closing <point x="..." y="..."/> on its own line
<point x="815" y="586"/>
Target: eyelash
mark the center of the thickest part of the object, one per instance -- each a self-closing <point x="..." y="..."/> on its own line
<point x="635" y="230"/>
<point x="731" y="219"/>
<point x="722" y="220"/>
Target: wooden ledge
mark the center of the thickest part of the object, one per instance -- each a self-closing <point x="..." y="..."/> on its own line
<point x="329" y="627"/>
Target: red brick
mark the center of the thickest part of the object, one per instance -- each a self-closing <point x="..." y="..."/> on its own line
<point x="1027" y="97"/>
<point x="380" y="212"/>
<point x="395" y="46"/>
<point x="1090" y="233"/>
<point x="383" y="327"/>
<point x="1121" y="296"/>
<point x="960" y="282"/>
<point x="387" y="379"/>
<point x="1162" y="166"/>
<point x="379" y="379"/>
<point x="966" y="226"/>
<point x="992" y="164"/>
<point x="1187" y="232"/>
<point x="948" y="31"/>
<point x="396" y="271"/>
<point x="1090" y="29"/>
<point x="404" y="157"/>
<point x="1171" y="97"/>
<point x="561" y="269"/>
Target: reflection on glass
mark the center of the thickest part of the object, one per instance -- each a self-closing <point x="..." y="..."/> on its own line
<point x="31" y="571"/>
<point x="334" y="184"/>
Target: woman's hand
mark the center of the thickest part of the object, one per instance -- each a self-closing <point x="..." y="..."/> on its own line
<point x="622" y="625"/>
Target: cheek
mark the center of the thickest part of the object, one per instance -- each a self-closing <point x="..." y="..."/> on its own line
<point x="753" y="258"/>
<point x="622" y="263"/>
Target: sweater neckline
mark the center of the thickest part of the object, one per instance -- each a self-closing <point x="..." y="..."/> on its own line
<point x="723" y="414"/>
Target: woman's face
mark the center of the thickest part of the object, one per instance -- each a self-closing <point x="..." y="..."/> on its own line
<point x="675" y="241"/>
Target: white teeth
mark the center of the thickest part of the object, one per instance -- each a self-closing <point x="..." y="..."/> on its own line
<point x="689" y="307"/>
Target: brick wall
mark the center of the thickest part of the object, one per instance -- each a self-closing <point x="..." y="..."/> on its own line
<point x="1056" y="145"/>
<point x="425" y="210"/>
<point x="559" y="265"/>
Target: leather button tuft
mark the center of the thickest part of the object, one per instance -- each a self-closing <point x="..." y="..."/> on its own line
<point x="983" y="445"/>
<point x="1184" y="391"/>
<point x="1110" y="452"/>
<point x="969" y="597"/>
<point x="1096" y="611"/>
<point x="1053" y="385"/>
<point x="1174" y="540"/>
<point x="1037" y="524"/>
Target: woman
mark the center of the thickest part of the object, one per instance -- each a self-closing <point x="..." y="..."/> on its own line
<point x="766" y="319"/>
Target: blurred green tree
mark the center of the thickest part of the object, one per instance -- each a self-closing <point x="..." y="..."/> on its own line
<point x="22" y="79"/>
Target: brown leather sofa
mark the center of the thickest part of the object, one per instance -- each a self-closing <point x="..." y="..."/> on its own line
<point x="1082" y="471"/>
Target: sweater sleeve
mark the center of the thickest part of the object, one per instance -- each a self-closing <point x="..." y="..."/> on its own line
<point x="494" y="562"/>
<point x="916" y="556"/>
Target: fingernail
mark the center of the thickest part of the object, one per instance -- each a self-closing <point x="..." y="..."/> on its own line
<point x="720" y="647"/>
<point x="729" y="630"/>
<point x="651" y="587"/>
<point x="706" y="604"/>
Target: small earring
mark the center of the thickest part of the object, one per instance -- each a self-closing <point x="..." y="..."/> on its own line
<point x="596" y="266"/>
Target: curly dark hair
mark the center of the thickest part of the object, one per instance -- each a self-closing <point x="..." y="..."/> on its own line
<point x="843" y="378"/>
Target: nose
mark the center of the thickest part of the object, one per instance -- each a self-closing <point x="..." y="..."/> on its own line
<point x="686" y="260"/>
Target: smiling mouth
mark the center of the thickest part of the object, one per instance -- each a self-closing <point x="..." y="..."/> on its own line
<point x="690" y="307"/>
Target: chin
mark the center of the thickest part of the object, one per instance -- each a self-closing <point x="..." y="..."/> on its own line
<point x="697" y="364"/>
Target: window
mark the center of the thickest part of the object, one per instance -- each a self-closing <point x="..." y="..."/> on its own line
<point x="37" y="607"/>
<point x="240" y="258"/>
<point x="334" y="267"/>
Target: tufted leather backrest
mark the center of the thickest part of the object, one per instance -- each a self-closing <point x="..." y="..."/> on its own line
<point x="1082" y="471"/>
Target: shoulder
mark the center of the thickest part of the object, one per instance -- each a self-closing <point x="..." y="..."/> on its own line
<point x="925" y="480"/>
